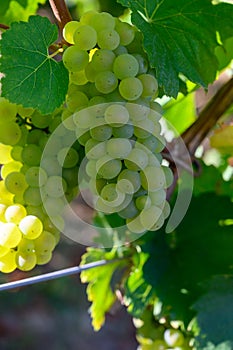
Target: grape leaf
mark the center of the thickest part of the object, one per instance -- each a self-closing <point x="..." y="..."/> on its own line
<point x="214" y="315"/>
<point x="200" y="248"/>
<point x="138" y="293"/>
<point x="16" y="10"/>
<point x="32" y="77"/>
<point x="180" y="37"/>
<point x="99" y="279"/>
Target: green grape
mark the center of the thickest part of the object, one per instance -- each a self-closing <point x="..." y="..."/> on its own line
<point x="32" y="196"/>
<point x="55" y="186"/>
<point x="168" y="176"/>
<point x="125" y="186"/>
<point x="132" y="176"/>
<point x="95" y="149"/>
<point x="150" y="216"/>
<point x="10" y="235"/>
<point x="106" y="82"/>
<point x="10" y="132"/>
<point x="9" y="168"/>
<point x="85" y="37"/>
<point x="142" y="62"/>
<point x="158" y="197"/>
<point x="143" y="202"/>
<point x="7" y="262"/>
<point x="111" y="195"/>
<point x="91" y="168"/>
<point x="101" y="21"/>
<point x="25" y="261"/>
<point x="8" y="110"/>
<point x="31" y="155"/>
<point x="150" y="143"/>
<point x="137" y="159"/>
<point x="36" y="210"/>
<point x="125" y="66"/>
<point x="173" y="337"/>
<point x="91" y="72"/>
<point x="144" y="128"/>
<point x="77" y="101"/>
<point x="75" y="59"/>
<point x="16" y="153"/>
<point x="14" y="213"/>
<point x="43" y="258"/>
<point x="70" y="175"/>
<point x="108" y="39"/>
<point x="69" y="29"/>
<point x="125" y="31"/>
<point x="120" y="50"/>
<point x="101" y="133"/>
<point x="107" y="167"/>
<point x="36" y="176"/>
<point x="6" y="197"/>
<point x="3" y="251"/>
<point x="5" y="153"/>
<point x="166" y="209"/>
<point x="150" y="85"/>
<point x="129" y="212"/>
<point x="83" y="119"/>
<point x="40" y="121"/>
<point x="78" y="78"/>
<point x="44" y="243"/>
<point x="31" y="227"/>
<point x="118" y="148"/>
<point x="3" y="208"/>
<point x="152" y="178"/>
<point x="135" y="225"/>
<point x="50" y="165"/>
<point x="53" y="205"/>
<point x="116" y="115"/>
<point x="15" y="182"/>
<point x="103" y="60"/>
<point x="34" y="136"/>
<point x="137" y="112"/>
<point x="126" y="131"/>
<point x="68" y="157"/>
<point x="130" y="88"/>
<point x="96" y="100"/>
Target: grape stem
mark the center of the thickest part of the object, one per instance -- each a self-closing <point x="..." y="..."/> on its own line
<point x="4" y="26"/>
<point x="61" y="12"/>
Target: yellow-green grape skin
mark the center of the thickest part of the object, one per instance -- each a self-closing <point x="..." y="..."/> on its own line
<point x="75" y="59"/>
<point x="7" y="262"/>
<point x="69" y="30"/>
<point x="31" y="227"/>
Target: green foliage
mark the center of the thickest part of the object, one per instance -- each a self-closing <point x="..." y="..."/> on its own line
<point x="214" y="315"/>
<point x="200" y="248"/>
<point x="180" y="38"/>
<point x="100" y="290"/>
<point x="32" y="77"/>
<point x="18" y="10"/>
<point x="138" y="293"/>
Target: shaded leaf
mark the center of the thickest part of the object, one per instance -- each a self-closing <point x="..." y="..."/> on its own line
<point x="32" y="77"/>
<point x="214" y="315"/>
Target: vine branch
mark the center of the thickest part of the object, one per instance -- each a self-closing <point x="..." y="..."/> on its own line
<point x="4" y="26"/>
<point x="61" y="12"/>
<point x="208" y="117"/>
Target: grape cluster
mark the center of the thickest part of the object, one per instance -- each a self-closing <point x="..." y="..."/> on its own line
<point x="151" y="335"/>
<point x="111" y="101"/>
<point x="113" y="122"/>
<point x="28" y="187"/>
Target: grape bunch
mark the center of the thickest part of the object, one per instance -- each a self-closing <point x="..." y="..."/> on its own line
<point x="29" y="185"/>
<point x="152" y="335"/>
<point x="113" y="122"/>
<point x="110" y="105"/>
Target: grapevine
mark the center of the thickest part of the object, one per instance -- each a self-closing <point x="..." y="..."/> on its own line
<point x="81" y="115"/>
